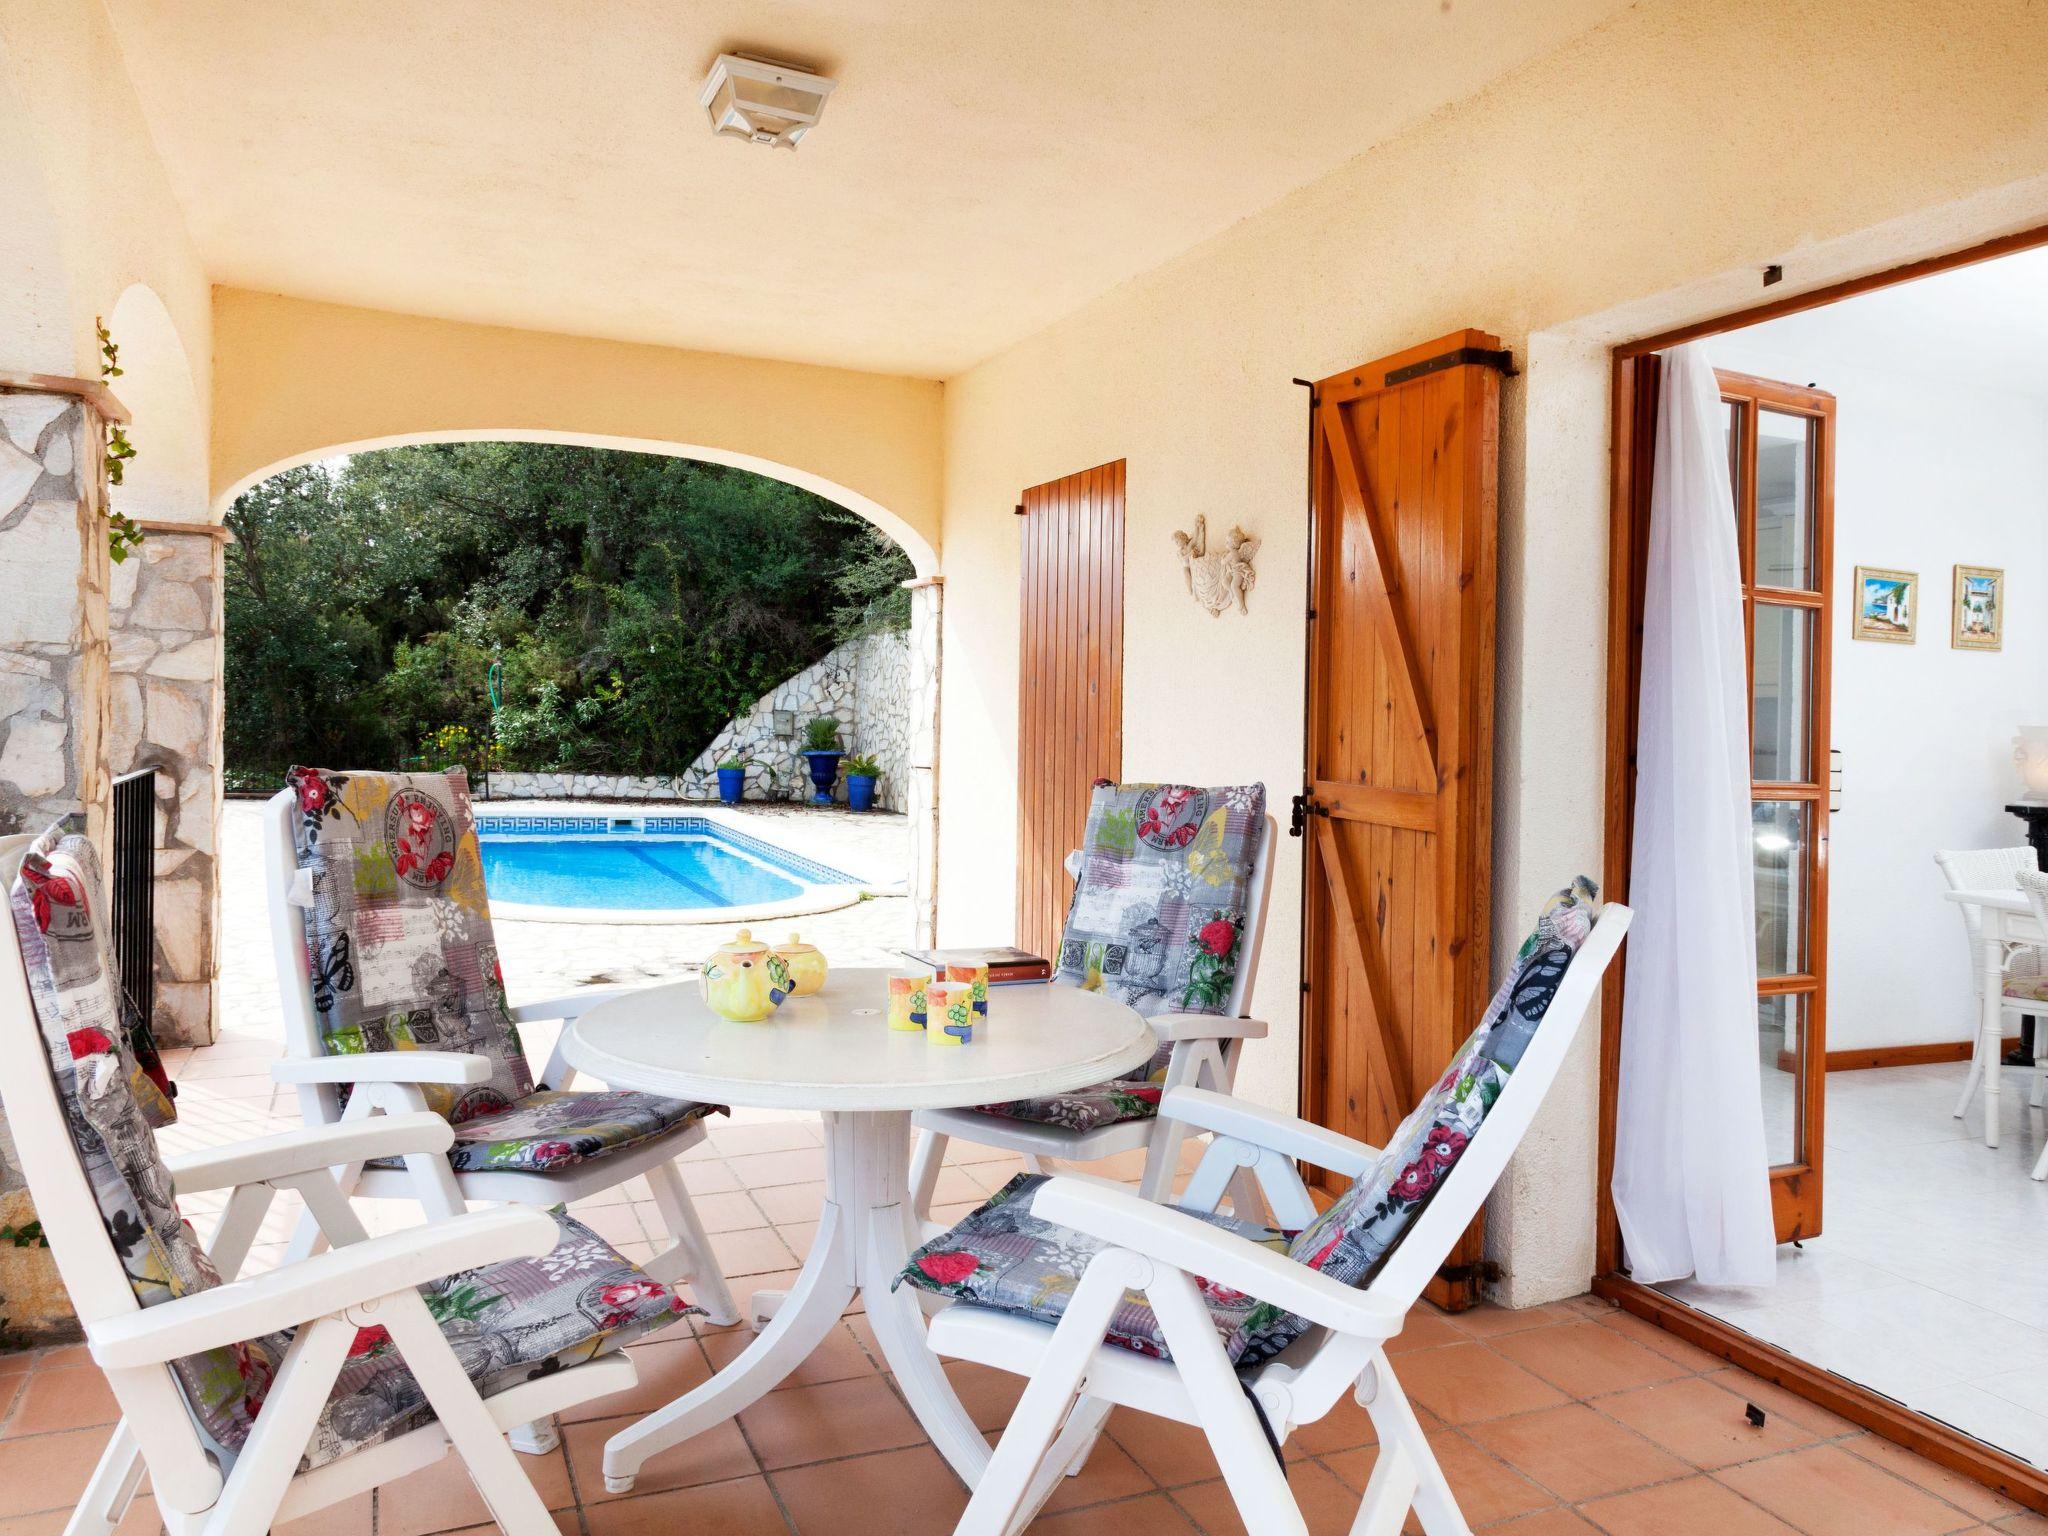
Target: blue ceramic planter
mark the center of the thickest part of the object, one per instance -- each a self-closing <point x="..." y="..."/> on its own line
<point x="732" y="784"/>
<point x="860" y="791"/>
<point x="824" y="774"/>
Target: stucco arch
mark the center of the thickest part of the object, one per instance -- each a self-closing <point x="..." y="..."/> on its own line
<point x="35" y="299"/>
<point x="296" y="381"/>
<point x="166" y="480"/>
<point x="913" y="543"/>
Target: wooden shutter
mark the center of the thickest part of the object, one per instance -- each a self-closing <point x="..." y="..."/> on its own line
<point x="1070" y="682"/>
<point x="1398" y="804"/>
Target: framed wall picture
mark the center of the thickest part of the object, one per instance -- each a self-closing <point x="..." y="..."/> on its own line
<point x="1979" y="613"/>
<point x="1887" y="605"/>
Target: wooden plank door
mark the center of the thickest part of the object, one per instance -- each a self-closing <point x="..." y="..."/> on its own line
<point x="1398" y="804"/>
<point x="1070" y="712"/>
<point x="1781" y="468"/>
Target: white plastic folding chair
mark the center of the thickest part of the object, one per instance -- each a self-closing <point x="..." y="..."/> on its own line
<point x="1075" y="1379"/>
<point x="326" y="1300"/>
<point x="1205" y="1052"/>
<point x="1995" y="869"/>
<point x="392" y="1082"/>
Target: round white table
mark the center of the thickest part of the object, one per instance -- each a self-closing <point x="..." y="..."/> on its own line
<point x="835" y="1053"/>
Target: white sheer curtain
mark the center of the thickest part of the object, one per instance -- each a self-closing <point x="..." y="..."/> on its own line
<point x="1691" y="1176"/>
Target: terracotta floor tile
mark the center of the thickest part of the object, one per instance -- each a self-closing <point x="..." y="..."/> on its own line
<point x="796" y="1237"/>
<point x="351" y="1517"/>
<point x="1775" y="1400"/>
<point x="839" y="1358"/>
<point x="64" y="1357"/>
<point x="895" y="1493"/>
<point x="790" y="1202"/>
<point x="1968" y="1495"/>
<point x="1703" y="1422"/>
<point x="52" y="1400"/>
<point x="1586" y="1359"/>
<point x="617" y="1224"/>
<point x="1693" y="1506"/>
<point x="1546" y="1522"/>
<point x="1486" y="1490"/>
<point x="1327" y="1503"/>
<point x="1424" y="1330"/>
<point x="1172" y="1454"/>
<point x="2028" y="1524"/>
<point x="1576" y="1452"/>
<point x="1488" y="1321"/>
<point x="668" y="1367"/>
<point x="1345" y="1427"/>
<point x="1109" y="1474"/>
<point x="756" y="1251"/>
<point x="442" y="1497"/>
<point x="986" y="1393"/>
<point x="774" y="1136"/>
<point x="709" y="1178"/>
<point x="567" y="1523"/>
<point x="1827" y="1492"/>
<point x="719" y="1213"/>
<point x="761" y="1170"/>
<point x="1463" y="1383"/>
<point x="1152" y="1515"/>
<point x="39" y="1472"/>
<point x="715" y="1456"/>
<point x="744" y="1507"/>
<point x="1661" y="1340"/>
<point x="841" y="1418"/>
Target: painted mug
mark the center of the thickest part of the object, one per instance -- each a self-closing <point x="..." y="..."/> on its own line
<point x="949" y="1010"/>
<point x="907" y="1000"/>
<point x="976" y="977"/>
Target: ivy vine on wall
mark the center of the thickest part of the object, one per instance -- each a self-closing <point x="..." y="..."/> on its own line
<point x="122" y="533"/>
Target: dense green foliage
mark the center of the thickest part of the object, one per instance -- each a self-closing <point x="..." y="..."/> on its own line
<point x="636" y="603"/>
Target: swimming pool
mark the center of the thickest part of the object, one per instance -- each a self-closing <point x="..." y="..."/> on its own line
<point x="647" y="869"/>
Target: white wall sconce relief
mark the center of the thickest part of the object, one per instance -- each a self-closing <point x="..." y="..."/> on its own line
<point x="1216" y="578"/>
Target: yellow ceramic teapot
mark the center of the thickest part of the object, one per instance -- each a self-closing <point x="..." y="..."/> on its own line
<point x="744" y="980"/>
<point x="806" y="964"/>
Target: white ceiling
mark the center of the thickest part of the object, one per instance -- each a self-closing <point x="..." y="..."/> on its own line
<point x="1984" y="325"/>
<point x="982" y="169"/>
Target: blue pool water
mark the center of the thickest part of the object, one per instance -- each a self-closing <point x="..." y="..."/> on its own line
<point x="643" y="871"/>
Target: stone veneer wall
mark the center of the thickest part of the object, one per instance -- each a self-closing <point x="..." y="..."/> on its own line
<point x="863" y="684"/>
<point x="53" y="723"/>
<point x="53" y="616"/>
<point x="167" y="668"/>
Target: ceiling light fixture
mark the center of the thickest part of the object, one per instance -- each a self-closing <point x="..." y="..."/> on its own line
<point x="762" y="101"/>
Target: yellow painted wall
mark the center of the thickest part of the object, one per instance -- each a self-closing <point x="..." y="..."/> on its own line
<point x="298" y="380"/>
<point x="1642" y="176"/>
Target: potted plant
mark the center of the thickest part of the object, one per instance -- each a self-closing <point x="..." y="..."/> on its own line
<point x="732" y="780"/>
<point x="822" y="752"/>
<point x="861" y="773"/>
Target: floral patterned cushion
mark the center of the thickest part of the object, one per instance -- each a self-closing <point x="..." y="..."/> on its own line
<point x="1003" y="1256"/>
<point x="1085" y="1109"/>
<point x="506" y="1320"/>
<point x="2030" y="988"/>
<point x="1159" y="909"/>
<point x="548" y="1129"/>
<point x="402" y="956"/>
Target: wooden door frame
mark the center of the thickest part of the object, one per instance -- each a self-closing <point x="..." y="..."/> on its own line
<point x="1627" y="501"/>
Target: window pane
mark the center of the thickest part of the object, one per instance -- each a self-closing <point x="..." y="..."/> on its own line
<point x="1782" y="711"/>
<point x="1780" y="1032"/>
<point x="1779" y="831"/>
<point x="1784" y="496"/>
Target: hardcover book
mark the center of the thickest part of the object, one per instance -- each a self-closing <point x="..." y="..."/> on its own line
<point x="1005" y="962"/>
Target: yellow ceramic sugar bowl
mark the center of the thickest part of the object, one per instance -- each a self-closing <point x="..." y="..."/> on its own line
<point x="806" y="964"/>
<point x="745" y="980"/>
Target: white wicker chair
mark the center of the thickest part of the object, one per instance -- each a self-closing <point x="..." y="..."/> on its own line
<point x="1995" y="869"/>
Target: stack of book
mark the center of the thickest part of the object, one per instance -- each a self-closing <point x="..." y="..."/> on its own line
<point x="1006" y="964"/>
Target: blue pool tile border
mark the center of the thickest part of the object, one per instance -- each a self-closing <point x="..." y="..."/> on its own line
<point x="809" y="869"/>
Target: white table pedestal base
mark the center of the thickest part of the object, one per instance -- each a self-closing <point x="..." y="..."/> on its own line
<point x="865" y="1232"/>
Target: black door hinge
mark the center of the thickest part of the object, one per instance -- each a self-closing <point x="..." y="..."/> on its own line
<point x="1298" y="810"/>
<point x="1468" y="1274"/>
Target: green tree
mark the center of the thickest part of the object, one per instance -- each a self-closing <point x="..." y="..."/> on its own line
<point x="636" y="602"/>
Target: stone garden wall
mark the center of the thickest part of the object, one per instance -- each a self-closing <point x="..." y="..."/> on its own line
<point x="864" y="684"/>
<point x="165" y="605"/>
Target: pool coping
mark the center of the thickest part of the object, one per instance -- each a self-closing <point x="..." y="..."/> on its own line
<point x="826" y="889"/>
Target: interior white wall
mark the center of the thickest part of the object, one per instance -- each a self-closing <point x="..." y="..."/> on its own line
<point x="1935" y="465"/>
